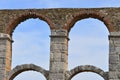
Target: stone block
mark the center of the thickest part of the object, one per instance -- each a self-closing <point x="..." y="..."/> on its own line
<point x="114" y="75"/>
<point x="60" y="22"/>
<point x="114" y="59"/>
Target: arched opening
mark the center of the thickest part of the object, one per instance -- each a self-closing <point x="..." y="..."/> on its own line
<point x="32" y="76"/>
<point x="26" y="67"/>
<point x="87" y="76"/>
<point x="22" y="17"/>
<point x="86" y="68"/>
<point x="31" y="43"/>
<point x="89" y="44"/>
<point x="90" y="14"/>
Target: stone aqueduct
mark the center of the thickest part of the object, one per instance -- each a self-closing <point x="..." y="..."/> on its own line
<point x="60" y="22"/>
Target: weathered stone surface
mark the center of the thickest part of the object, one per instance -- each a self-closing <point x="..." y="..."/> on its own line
<point x="60" y="22"/>
<point x="85" y="68"/>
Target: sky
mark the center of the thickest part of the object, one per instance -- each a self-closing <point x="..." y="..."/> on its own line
<point x="88" y="38"/>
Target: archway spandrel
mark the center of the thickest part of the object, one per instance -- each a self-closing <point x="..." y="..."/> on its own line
<point x="17" y="19"/>
<point x="60" y="18"/>
<point x="90" y="13"/>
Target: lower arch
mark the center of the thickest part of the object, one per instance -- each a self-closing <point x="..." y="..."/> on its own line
<point x="26" y="67"/>
<point x="85" y="68"/>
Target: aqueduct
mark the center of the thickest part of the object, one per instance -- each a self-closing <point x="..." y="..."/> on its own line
<point x="60" y="22"/>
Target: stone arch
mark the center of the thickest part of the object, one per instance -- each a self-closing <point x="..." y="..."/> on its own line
<point x="26" y="67"/>
<point x="22" y="17"/>
<point x="86" y="68"/>
<point x="89" y="14"/>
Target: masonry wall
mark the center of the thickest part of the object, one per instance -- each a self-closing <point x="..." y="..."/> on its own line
<point x="60" y="22"/>
<point x="5" y="55"/>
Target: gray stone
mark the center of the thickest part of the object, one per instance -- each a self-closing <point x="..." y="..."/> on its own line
<point x="60" y="22"/>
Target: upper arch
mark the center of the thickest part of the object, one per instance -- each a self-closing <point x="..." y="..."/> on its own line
<point x="26" y="67"/>
<point x="22" y="17"/>
<point x="86" y="68"/>
<point x="89" y="14"/>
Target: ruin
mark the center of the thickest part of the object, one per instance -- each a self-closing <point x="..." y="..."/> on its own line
<point x="60" y="22"/>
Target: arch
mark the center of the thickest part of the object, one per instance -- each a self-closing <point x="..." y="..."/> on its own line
<point x="86" y="68"/>
<point x="22" y="17"/>
<point x="27" y="38"/>
<point x="26" y="67"/>
<point x="89" y="14"/>
<point x="89" y="37"/>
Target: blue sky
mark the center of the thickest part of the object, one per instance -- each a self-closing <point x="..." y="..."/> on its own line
<point x="17" y="4"/>
<point x="88" y="38"/>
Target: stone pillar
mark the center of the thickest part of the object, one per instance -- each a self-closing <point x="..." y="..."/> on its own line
<point x="5" y="55"/>
<point x="114" y="56"/>
<point x="58" y="54"/>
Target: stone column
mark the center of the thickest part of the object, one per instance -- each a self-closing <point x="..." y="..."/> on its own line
<point x="114" y="56"/>
<point x="58" y="54"/>
<point x="5" y="55"/>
